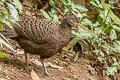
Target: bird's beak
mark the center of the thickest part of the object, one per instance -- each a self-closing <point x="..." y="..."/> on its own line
<point x="77" y="24"/>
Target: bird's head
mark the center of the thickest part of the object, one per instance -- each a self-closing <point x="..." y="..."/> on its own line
<point x="72" y="21"/>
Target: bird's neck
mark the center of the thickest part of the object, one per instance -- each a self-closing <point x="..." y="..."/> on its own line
<point x="65" y="32"/>
<point x="65" y="28"/>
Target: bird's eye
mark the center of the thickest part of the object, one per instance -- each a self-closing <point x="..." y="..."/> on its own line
<point x="73" y="21"/>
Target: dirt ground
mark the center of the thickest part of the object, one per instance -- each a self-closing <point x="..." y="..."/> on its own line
<point x="15" y="67"/>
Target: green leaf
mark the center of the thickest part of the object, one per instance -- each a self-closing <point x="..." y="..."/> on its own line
<point x="18" y="5"/>
<point x="83" y="33"/>
<point x="2" y="0"/>
<point x="6" y="44"/>
<point x="100" y="58"/>
<point x="1" y="26"/>
<point x="45" y="14"/>
<point x="96" y="3"/>
<point x="73" y="41"/>
<point x="111" y="70"/>
<point x="116" y="46"/>
<point x="3" y="56"/>
<point x="2" y="69"/>
<point x="111" y="14"/>
<point x="13" y="12"/>
<point x="116" y="28"/>
<point x="52" y="3"/>
<point x="3" y="79"/>
<point x="107" y="48"/>
<point x="113" y="35"/>
<point x="87" y="22"/>
<point x="102" y="53"/>
<point x="81" y="8"/>
<point x="96" y="52"/>
<point x="114" y="17"/>
<point x="4" y="12"/>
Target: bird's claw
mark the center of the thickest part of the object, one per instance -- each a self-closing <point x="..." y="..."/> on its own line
<point x="47" y="74"/>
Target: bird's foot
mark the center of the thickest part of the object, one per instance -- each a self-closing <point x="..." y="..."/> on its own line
<point x="28" y="69"/>
<point x="47" y="74"/>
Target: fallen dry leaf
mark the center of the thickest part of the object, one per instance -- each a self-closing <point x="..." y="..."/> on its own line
<point x="36" y="62"/>
<point x="34" y="76"/>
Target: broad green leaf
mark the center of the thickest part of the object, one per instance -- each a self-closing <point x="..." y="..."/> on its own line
<point x="93" y="2"/>
<point x="96" y="52"/>
<point x="55" y="18"/>
<point x="2" y="0"/>
<point x="114" y="17"/>
<point x="66" y="10"/>
<point x="87" y="22"/>
<point x="3" y="56"/>
<point x="84" y="44"/>
<point x="13" y="12"/>
<point x="1" y="26"/>
<point x="81" y="8"/>
<point x="102" y="53"/>
<point x="113" y="35"/>
<point x="73" y="41"/>
<point x="116" y="46"/>
<point x="2" y="69"/>
<point x="100" y="58"/>
<point x="52" y="3"/>
<point x="3" y="79"/>
<point x="53" y="11"/>
<point x="79" y="15"/>
<point x="111" y="14"/>
<point x="115" y="61"/>
<point x="6" y="44"/>
<point x="107" y="48"/>
<point x="96" y="3"/>
<point x="18" y="5"/>
<point x="2" y="19"/>
<point x="111" y="70"/>
<point x="4" y="12"/>
<point x="116" y="28"/>
<point x="45" y="14"/>
<point x="104" y="16"/>
<point x="83" y="33"/>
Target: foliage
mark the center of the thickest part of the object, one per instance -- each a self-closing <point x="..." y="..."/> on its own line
<point x="101" y="36"/>
<point x="68" y="6"/>
<point x="2" y="69"/>
<point x="3" y="79"/>
<point x="2" y="56"/>
<point x="8" y="14"/>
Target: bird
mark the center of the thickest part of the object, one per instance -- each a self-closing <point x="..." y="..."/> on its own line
<point x="42" y="37"/>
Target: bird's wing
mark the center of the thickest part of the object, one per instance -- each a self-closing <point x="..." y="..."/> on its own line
<point x="38" y="30"/>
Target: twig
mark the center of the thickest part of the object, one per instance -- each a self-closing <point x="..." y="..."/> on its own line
<point x="41" y="3"/>
<point x="76" y="56"/>
<point x="59" y="7"/>
<point x="46" y="6"/>
<point x="60" y="11"/>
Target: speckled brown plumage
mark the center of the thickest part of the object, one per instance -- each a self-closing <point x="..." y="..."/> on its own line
<point x="42" y="37"/>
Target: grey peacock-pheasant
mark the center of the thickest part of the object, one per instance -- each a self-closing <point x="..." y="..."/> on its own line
<point x="42" y="37"/>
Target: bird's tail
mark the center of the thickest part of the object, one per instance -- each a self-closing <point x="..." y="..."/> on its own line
<point x="9" y="33"/>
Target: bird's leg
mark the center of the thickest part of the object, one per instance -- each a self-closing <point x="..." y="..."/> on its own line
<point x="26" y="59"/>
<point x="45" y="69"/>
